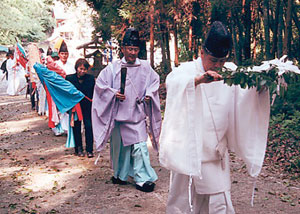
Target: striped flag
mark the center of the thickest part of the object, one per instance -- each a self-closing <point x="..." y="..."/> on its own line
<point x="20" y="55"/>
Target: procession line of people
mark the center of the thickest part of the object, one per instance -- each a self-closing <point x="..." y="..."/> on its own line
<point x="203" y="120"/>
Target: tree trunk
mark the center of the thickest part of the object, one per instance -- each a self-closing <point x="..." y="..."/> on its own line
<point x="296" y="20"/>
<point x="235" y="45"/>
<point x="288" y="29"/>
<point x="164" y="65"/>
<point x="254" y="39"/>
<point x="280" y="30"/>
<point x="266" y="28"/>
<point x="247" y="23"/>
<point x="297" y="23"/>
<point x="275" y="28"/>
<point x="240" y="40"/>
<point x="167" y="40"/>
<point x="255" y="17"/>
<point x="152" y="4"/>
<point x="190" y="37"/>
<point x="176" y="60"/>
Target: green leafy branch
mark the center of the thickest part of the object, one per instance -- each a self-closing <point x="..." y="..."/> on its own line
<point x="274" y="77"/>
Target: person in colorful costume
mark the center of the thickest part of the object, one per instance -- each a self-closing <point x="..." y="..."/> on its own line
<point x="123" y="117"/>
<point x="64" y="95"/>
<point x="63" y="63"/>
<point x="204" y="118"/>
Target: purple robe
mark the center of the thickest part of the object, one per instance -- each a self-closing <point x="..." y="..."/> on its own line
<point x="141" y="81"/>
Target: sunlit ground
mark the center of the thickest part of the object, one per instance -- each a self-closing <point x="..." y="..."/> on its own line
<point x="39" y="175"/>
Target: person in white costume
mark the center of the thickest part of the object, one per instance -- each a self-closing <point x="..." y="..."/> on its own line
<point x="16" y="77"/>
<point x="11" y="82"/>
<point x="63" y="61"/>
<point x="204" y="118"/>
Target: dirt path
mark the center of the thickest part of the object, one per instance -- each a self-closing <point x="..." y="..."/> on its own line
<point x="39" y="175"/>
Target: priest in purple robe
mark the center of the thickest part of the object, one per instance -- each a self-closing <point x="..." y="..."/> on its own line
<point x="126" y="109"/>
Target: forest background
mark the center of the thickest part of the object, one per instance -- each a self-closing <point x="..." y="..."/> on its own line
<point x="261" y="30"/>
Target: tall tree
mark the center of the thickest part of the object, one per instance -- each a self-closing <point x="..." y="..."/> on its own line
<point x="275" y="28"/>
<point x="280" y="31"/>
<point x="190" y="36"/>
<point x="151" y="13"/>
<point x="236" y="48"/>
<point x="288" y="29"/>
<point x="255" y="25"/>
<point x="163" y="31"/>
<point x="247" y="24"/>
<point x="238" y="32"/>
<point x="295" y="18"/>
<point x="266" y="28"/>
<point x="175" y="32"/>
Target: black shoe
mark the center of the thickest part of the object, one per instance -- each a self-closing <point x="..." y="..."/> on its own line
<point x="148" y="186"/>
<point x="118" y="181"/>
<point x="90" y="155"/>
<point x="80" y="154"/>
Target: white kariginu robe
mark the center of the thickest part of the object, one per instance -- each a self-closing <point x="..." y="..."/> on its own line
<point x="201" y="123"/>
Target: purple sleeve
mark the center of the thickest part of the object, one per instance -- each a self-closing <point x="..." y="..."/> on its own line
<point x="152" y="109"/>
<point x="103" y="108"/>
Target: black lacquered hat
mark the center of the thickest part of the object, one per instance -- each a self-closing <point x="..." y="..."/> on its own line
<point x="131" y="38"/>
<point x="218" y="42"/>
<point x="63" y="47"/>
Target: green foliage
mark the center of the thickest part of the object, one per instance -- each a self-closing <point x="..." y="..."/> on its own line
<point x="25" y="19"/>
<point x="289" y="103"/>
<point x="114" y="16"/>
<point x="268" y="78"/>
<point x="107" y="16"/>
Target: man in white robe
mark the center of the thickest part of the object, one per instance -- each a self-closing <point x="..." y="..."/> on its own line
<point x="16" y="76"/>
<point x="64" y="61"/>
<point x="213" y="119"/>
<point x="11" y="75"/>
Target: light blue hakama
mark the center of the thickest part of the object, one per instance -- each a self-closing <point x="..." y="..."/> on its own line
<point x="130" y="160"/>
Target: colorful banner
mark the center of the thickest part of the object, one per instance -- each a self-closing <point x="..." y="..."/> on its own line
<point x="21" y="55"/>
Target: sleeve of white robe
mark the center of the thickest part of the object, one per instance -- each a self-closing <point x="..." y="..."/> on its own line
<point x="9" y="65"/>
<point x="179" y="144"/>
<point x="248" y="129"/>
